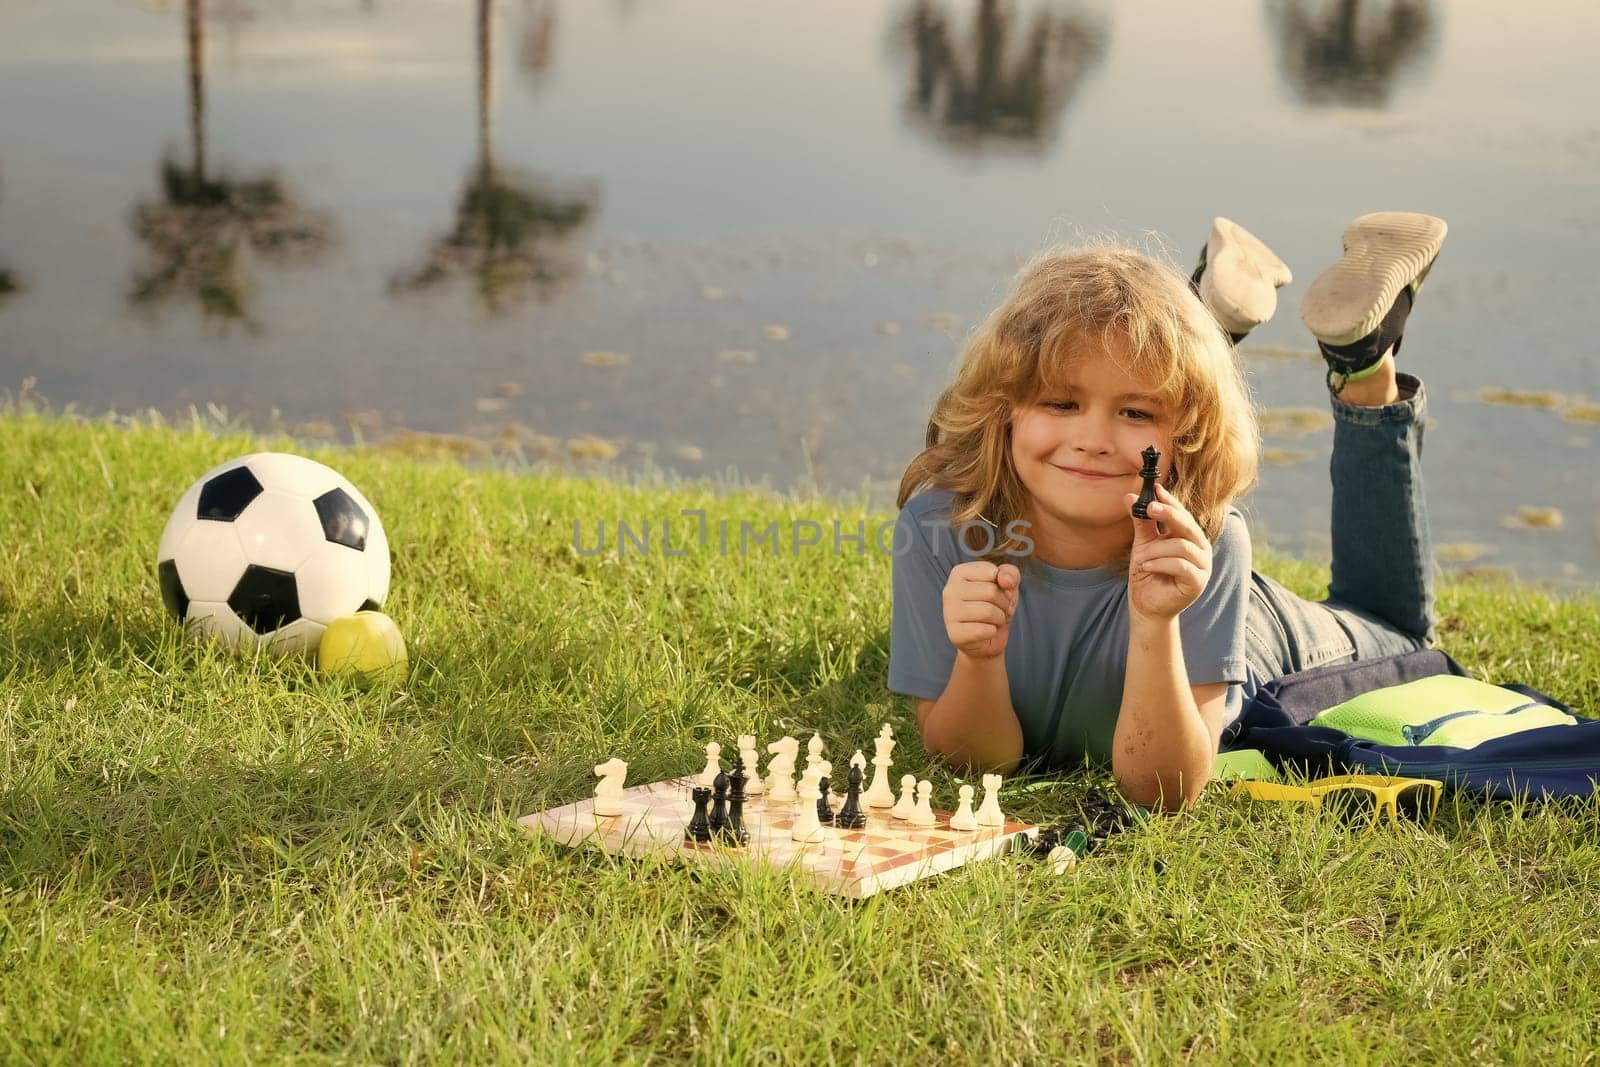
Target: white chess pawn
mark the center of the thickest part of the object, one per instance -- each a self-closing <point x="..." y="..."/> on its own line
<point x="880" y="794"/>
<point x="780" y="769"/>
<point x="989" y="813"/>
<point x="922" y="814"/>
<point x="908" y="801"/>
<point x="608" y="794"/>
<point x="963" y="819"/>
<point x="807" y="828"/>
<point x="813" y="752"/>
<point x="708" y="777"/>
<point x="747" y="752"/>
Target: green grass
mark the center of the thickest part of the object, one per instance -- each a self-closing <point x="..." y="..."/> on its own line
<point x="209" y="857"/>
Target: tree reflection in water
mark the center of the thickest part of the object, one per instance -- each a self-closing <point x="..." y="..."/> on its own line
<point x="203" y="232"/>
<point x="1008" y="80"/>
<point x="8" y="283"/>
<point x="1341" y="52"/>
<point x="509" y="227"/>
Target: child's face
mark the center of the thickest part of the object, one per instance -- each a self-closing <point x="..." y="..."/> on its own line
<point x="1076" y="447"/>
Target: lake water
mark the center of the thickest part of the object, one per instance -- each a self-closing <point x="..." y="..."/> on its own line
<point x="741" y="236"/>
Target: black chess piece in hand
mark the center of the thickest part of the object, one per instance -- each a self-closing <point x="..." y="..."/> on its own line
<point x="1149" y="472"/>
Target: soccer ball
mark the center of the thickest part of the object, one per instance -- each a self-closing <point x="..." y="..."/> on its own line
<point x="268" y="549"/>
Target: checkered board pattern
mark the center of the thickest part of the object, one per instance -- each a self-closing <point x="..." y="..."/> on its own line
<point x="852" y="863"/>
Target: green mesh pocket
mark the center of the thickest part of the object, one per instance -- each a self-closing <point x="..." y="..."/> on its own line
<point x="1401" y="714"/>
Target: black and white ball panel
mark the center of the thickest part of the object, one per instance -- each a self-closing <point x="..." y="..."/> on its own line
<point x="268" y="549"/>
<point x="210" y="560"/>
<point x="279" y="530"/>
<point x="224" y="497"/>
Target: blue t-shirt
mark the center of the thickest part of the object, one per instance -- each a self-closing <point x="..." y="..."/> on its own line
<point x="1067" y="652"/>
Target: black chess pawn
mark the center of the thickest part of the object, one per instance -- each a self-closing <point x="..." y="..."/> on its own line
<point x="734" y="833"/>
<point x="719" y="803"/>
<point x="851" y="817"/>
<point x="824" y="795"/>
<point x="1149" y="472"/>
<point x="699" y="828"/>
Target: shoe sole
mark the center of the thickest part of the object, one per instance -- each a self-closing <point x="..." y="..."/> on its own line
<point x="1242" y="277"/>
<point x="1383" y="253"/>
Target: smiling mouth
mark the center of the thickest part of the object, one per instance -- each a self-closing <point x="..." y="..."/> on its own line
<point x="1093" y="476"/>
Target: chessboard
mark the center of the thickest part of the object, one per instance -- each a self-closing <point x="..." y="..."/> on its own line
<point x="889" y="852"/>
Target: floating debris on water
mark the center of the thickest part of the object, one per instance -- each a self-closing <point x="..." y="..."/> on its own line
<point x="945" y="320"/>
<point x="713" y="292"/>
<point x="592" y="448"/>
<point x="1521" y="398"/>
<point x="1462" y="552"/>
<point x="508" y="389"/>
<point x="315" y="430"/>
<point x="517" y="436"/>
<point x="419" y="445"/>
<point x="1532" y="518"/>
<point x="369" y="421"/>
<point x="1293" y="422"/>
<point x="607" y="359"/>
<point x="737" y="355"/>
<point x="1582" y="413"/>
<point x="1279" y="457"/>
<point x="775" y="333"/>
<point x="889" y="329"/>
<point x="689" y="452"/>
<point x="488" y="405"/>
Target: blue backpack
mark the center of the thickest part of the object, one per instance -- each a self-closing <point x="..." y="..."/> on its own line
<point x="1539" y="763"/>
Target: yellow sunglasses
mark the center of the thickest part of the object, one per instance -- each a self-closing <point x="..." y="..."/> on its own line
<point x="1356" y="798"/>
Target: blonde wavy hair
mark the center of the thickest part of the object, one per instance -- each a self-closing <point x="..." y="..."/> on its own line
<point x="1068" y="306"/>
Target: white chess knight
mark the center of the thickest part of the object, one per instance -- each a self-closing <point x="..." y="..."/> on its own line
<point x="708" y="777"/>
<point x="880" y="794"/>
<point x="989" y="813"/>
<point x="807" y="828"/>
<point x="608" y="794"/>
<point x="964" y="819"/>
<point x="922" y="814"/>
<point x="908" y="797"/>
<point x="747" y="752"/>
<point x="780" y="768"/>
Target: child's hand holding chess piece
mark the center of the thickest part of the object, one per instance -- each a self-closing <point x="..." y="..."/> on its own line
<point x="980" y="599"/>
<point x="1171" y="559"/>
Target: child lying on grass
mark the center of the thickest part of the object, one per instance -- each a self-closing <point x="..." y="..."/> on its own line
<point x="1036" y="619"/>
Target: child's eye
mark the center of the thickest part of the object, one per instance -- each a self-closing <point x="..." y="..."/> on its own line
<point x="1137" y="413"/>
<point x="1061" y="405"/>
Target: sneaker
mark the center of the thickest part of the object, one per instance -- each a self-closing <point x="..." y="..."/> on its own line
<point x="1357" y="308"/>
<point x="1238" y="278"/>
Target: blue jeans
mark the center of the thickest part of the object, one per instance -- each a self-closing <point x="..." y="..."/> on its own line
<point x="1380" y="602"/>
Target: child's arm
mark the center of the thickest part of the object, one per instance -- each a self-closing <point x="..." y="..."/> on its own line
<point x="1167" y="730"/>
<point x="972" y="724"/>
